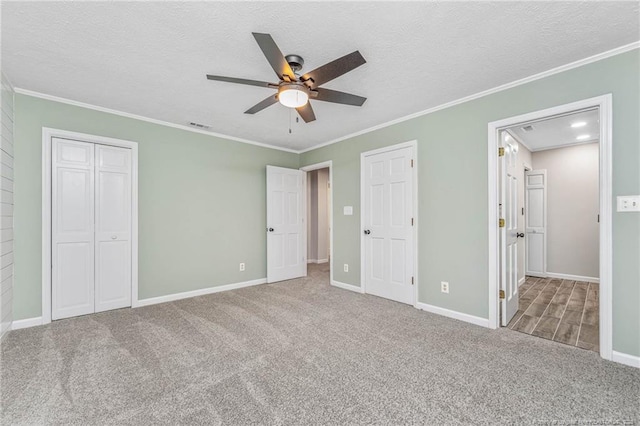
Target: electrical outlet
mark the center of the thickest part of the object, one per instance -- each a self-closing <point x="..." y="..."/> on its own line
<point x="444" y="286"/>
<point x="629" y="203"/>
<point x="346" y="267"/>
<point x="242" y="267"/>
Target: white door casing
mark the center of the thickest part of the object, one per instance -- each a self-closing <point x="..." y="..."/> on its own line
<point x="604" y="103"/>
<point x="286" y="236"/>
<point x="112" y="228"/>
<point x="72" y="228"/>
<point x="536" y="223"/>
<point x="387" y="224"/>
<point x="509" y="235"/>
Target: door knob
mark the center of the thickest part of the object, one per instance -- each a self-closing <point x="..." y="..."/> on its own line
<point x="367" y="232"/>
<point x="113" y="237"/>
<point x="270" y="229"/>
<point x="520" y="235"/>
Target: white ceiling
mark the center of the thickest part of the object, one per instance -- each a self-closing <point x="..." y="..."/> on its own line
<point x="557" y="132"/>
<point x="150" y="58"/>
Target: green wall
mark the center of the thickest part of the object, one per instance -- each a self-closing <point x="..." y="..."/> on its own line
<point x="201" y="201"/>
<point x="453" y="217"/>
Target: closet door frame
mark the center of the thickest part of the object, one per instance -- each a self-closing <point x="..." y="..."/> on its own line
<point x="47" y="135"/>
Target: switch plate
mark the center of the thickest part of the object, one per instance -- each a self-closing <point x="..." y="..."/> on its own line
<point x="348" y="210"/>
<point x="629" y="203"/>
<point x="346" y="267"/>
<point x="242" y="267"/>
<point x="444" y="286"/>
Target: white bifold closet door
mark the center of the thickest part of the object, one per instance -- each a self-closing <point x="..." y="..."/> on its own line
<point x="113" y="228"/>
<point x="91" y="228"/>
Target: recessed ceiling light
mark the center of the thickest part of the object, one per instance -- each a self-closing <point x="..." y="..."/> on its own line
<point x="583" y="137"/>
<point x="578" y="124"/>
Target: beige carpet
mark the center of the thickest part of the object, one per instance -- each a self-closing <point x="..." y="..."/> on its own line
<point x="301" y="352"/>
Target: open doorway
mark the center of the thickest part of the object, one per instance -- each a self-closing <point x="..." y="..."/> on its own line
<point x="556" y="229"/>
<point x="553" y="224"/>
<point x="319" y="221"/>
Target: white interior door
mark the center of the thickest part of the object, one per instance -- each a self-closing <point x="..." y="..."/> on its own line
<point x="509" y="203"/>
<point x="72" y="228"/>
<point x="387" y="225"/>
<point x="536" y="223"/>
<point x="112" y="228"/>
<point x="286" y="237"/>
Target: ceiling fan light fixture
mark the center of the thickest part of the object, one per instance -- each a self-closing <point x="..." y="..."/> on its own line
<point x="293" y="95"/>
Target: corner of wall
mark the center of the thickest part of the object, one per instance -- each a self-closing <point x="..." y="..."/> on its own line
<point x="6" y="204"/>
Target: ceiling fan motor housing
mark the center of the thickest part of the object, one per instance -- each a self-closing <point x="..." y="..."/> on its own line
<point x="295" y="62"/>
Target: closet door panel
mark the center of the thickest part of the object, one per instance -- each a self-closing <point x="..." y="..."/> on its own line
<point x="72" y="226"/>
<point x="113" y="228"/>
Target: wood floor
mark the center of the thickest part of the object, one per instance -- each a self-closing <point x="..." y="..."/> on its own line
<point x="564" y="311"/>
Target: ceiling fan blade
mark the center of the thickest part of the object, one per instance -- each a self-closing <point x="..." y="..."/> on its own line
<point x="334" y="96"/>
<point x="334" y="69"/>
<point x="274" y="56"/>
<point x="241" y="81"/>
<point x="306" y="112"/>
<point x="262" y="105"/>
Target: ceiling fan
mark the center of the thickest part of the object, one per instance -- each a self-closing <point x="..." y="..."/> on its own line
<point x="294" y="90"/>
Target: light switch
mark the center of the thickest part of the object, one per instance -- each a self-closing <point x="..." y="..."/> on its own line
<point x="348" y="210"/>
<point x="629" y="203"/>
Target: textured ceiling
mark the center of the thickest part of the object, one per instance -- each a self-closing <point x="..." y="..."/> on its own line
<point x="557" y="131"/>
<point x="150" y="58"/>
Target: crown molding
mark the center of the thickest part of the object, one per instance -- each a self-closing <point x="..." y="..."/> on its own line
<point x="147" y="119"/>
<point x="557" y="70"/>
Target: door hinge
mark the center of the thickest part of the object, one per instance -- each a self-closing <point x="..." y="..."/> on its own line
<point x="412" y="162"/>
<point x="501" y="223"/>
<point x="411" y="221"/>
<point x="501" y="294"/>
<point x="501" y="152"/>
<point x="411" y="280"/>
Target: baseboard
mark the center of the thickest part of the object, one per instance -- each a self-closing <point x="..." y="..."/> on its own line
<point x="573" y="277"/>
<point x="345" y="286"/>
<point x="200" y="292"/>
<point x="626" y="359"/>
<point x="25" y="323"/>
<point x="482" y="322"/>
<point x="535" y="275"/>
<point x="521" y="281"/>
<point x="317" y="260"/>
